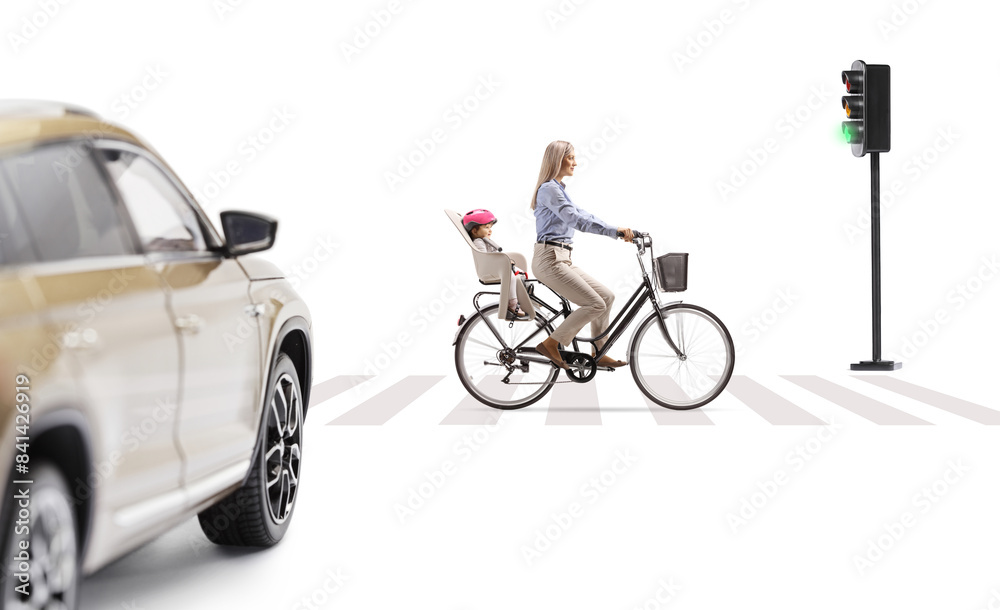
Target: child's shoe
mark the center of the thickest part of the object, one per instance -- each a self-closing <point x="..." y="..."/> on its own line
<point x="516" y="314"/>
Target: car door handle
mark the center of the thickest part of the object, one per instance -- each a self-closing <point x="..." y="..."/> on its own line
<point x="84" y="338"/>
<point x="190" y="324"/>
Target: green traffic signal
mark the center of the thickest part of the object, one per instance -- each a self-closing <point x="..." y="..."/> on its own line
<point x="853" y="131"/>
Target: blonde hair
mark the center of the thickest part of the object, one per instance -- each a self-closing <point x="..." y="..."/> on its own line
<point x="552" y="162"/>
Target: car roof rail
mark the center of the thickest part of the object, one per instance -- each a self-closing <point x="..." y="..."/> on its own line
<point x="43" y="108"/>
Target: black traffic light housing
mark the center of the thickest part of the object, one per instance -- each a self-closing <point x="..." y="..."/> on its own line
<point x="867" y="107"/>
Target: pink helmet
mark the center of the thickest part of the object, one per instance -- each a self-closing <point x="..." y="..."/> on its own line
<point x="476" y="218"/>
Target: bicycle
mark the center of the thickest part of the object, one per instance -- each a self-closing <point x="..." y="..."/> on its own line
<point x="685" y="365"/>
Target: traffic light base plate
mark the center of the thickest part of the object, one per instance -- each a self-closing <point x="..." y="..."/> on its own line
<point x="881" y="365"/>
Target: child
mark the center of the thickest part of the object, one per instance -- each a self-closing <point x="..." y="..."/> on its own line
<point x="479" y="224"/>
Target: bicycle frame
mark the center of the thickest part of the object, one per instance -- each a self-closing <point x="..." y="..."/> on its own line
<point x="643" y="293"/>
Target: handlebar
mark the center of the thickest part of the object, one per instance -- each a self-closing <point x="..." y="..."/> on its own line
<point x="639" y="238"/>
<point x="635" y="232"/>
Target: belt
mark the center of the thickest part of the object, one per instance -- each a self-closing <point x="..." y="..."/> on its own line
<point x="557" y="244"/>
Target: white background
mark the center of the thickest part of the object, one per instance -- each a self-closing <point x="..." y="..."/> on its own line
<point x="758" y="75"/>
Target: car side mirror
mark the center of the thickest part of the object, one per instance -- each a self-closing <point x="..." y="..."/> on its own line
<point x="247" y="232"/>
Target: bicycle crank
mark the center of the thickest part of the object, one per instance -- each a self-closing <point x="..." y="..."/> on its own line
<point x="582" y="367"/>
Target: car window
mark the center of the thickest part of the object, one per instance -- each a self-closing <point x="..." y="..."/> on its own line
<point x="66" y="205"/>
<point x="15" y="243"/>
<point x="162" y="216"/>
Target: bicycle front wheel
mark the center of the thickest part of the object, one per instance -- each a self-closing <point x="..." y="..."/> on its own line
<point x="695" y="376"/>
<point x="481" y="360"/>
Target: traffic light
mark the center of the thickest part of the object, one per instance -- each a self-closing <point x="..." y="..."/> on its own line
<point x="867" y="131"/>
<point x="867" y="108"/>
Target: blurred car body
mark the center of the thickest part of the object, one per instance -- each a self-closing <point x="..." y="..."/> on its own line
<point x="158" y="370"/>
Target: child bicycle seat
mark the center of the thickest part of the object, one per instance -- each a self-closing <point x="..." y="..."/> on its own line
<point x="494" y="268"/>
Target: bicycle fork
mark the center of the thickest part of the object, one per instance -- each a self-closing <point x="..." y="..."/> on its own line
<point x="659" y="316"/>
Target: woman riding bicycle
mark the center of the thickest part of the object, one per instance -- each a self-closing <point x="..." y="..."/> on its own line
<point x="557" y="218"/>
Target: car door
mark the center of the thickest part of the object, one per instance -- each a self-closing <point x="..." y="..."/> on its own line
<point x="102" y="305"/>
<point x="28" y="357"/>
<point x="211" y="309"/>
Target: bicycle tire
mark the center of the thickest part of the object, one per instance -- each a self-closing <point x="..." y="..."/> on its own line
<point x="674" y="386"/>
<point x="477" y="387"/>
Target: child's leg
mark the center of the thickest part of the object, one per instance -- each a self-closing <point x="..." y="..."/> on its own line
<point x="512" y="303"/>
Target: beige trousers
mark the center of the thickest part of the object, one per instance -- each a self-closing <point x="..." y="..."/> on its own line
<point x="554" y="267"/>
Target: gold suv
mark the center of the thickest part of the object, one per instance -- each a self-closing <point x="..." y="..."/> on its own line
<point x="149" y="369"/>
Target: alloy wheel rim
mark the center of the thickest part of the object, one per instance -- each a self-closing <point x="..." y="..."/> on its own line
<point x="284" y="441"/>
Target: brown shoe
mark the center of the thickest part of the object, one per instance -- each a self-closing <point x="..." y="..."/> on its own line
<point x="555" y="358"/>
<point x="608" y="361"/>
<point x="518" y="315"/>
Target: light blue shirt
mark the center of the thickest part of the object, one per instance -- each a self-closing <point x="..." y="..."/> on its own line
<point x="557" y="218"/>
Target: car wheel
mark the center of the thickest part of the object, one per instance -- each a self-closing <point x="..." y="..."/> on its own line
<point x="41" y="547"/>
<point x="258" y="513"/>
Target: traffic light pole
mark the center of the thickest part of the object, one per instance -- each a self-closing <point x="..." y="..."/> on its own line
<point x="876" y="363"/>
<point x="876" y="264"/>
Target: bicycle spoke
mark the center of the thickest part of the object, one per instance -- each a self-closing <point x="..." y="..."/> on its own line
<point x="658" y="355"/>
<point x="484" y="344"/>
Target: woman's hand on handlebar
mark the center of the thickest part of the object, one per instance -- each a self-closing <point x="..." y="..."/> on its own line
<point x="626" y="234"/>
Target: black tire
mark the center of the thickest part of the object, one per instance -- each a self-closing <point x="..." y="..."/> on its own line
<point x="53" y="539"/>
<point x="259" y="512"/>
<point x="551" y="373"/>
<point x="723" y="340"/>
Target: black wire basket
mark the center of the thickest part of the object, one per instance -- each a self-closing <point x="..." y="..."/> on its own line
<point x="671" y="271"/>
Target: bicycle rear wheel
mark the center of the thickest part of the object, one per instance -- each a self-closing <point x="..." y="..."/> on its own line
<point x="695" y="376"/>
<point x="479" y="360"/>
